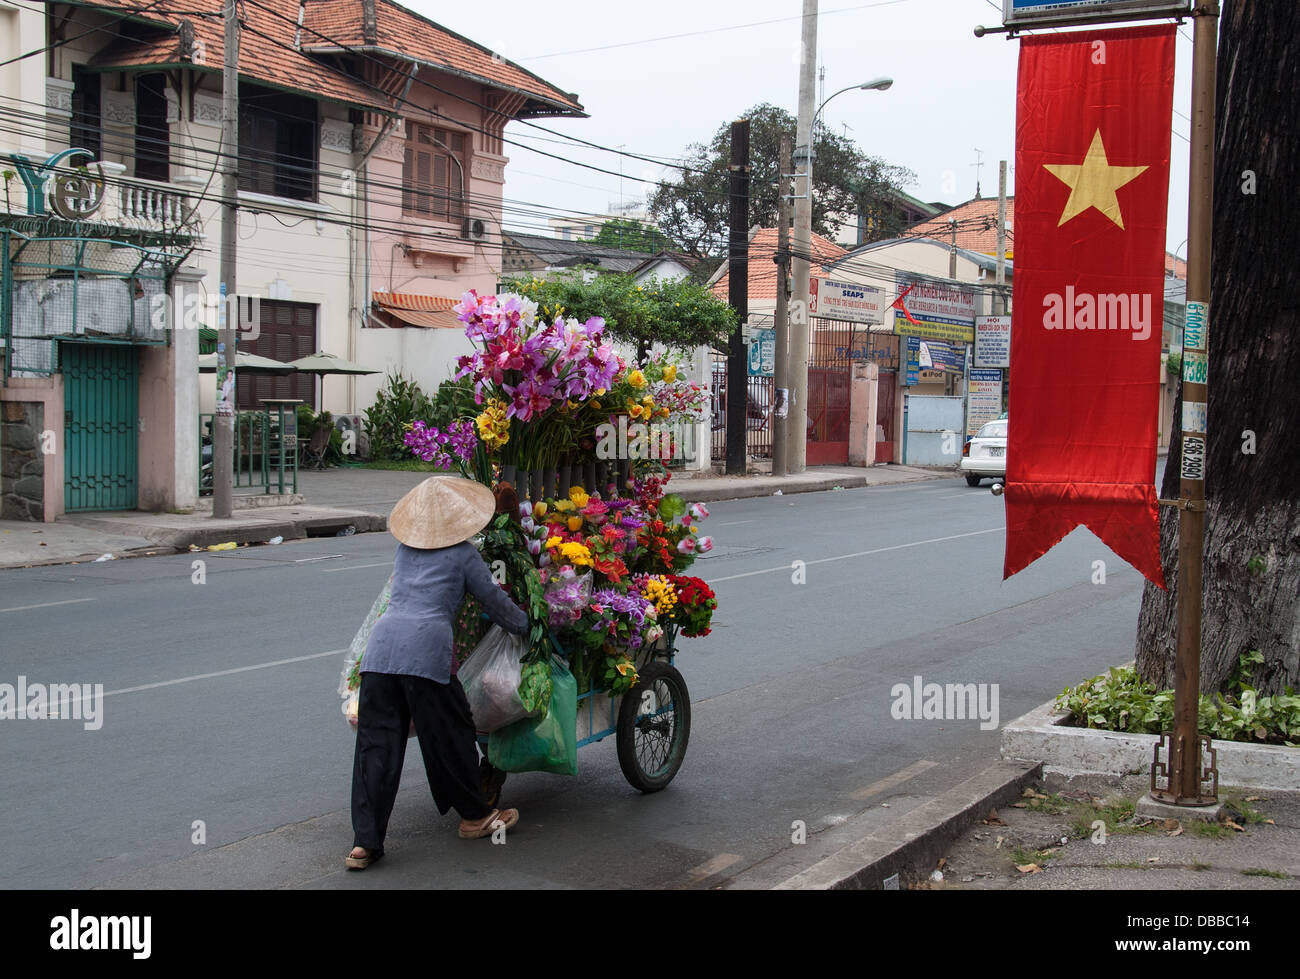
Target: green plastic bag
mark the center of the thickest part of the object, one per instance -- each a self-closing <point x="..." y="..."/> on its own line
<point x="546" y="745"/>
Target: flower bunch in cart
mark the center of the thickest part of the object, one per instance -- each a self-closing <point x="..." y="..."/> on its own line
<point x="605" y="570"/>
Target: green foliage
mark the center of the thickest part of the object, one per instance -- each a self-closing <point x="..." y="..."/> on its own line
<point x="679" y="315"/>
<point x="1120" y="701"/>
<point x="396" y="406"/>
<point x="695" y="209"/>
<point x="310" y="422"/>
<point x="1174" y="363"/>
<point x="632" y="236"/>
<point x="452" y="402"/>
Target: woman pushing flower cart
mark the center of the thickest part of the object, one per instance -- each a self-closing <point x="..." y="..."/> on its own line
<point x="582" y="570"/>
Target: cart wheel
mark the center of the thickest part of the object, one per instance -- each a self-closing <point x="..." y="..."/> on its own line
<point x="654" y="724"/>
<point x="493" y="781"/>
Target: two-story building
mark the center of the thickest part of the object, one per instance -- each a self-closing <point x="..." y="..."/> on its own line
<point x="371" y="162"/>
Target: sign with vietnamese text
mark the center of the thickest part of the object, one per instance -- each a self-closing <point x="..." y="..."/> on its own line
<point x="846" y="301"/>
<point x="934" y="355"/>
<point x="984" y="399"/>
<point x="992" y="341"/>
<point x="934" y="309"/>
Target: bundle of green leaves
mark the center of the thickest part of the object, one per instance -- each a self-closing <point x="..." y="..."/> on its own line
<point x="1120" y="700"/>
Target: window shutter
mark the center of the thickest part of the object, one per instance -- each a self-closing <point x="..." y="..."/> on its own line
<point x="408" y="180"/>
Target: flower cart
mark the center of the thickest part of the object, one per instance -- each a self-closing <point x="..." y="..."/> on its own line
<point x="590" y="544"/>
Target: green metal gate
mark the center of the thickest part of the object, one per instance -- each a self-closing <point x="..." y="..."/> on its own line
<point x="100" y="412"/>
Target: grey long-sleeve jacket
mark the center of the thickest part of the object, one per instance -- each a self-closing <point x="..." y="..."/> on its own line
<point x="413" y="637"/>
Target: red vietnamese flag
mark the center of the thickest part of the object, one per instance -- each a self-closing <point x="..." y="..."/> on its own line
<point x="1092" y="185"/>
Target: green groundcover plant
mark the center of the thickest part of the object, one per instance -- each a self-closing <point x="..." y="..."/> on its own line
<point x="1119" y="700"/>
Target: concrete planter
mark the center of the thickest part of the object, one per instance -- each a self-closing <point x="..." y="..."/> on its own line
<point x="1041" y="735"/>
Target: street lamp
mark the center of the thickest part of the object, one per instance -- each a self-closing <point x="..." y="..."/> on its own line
<point x="875" y="85"/>
<point x="796" y="432"/>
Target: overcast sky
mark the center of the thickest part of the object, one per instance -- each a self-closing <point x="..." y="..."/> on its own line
<point x="952" y="93"/>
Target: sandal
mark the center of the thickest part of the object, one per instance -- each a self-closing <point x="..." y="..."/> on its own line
<point x="361" y="863"/>
<point x="485" y="826"/>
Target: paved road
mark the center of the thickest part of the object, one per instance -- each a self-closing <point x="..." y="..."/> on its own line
<point x="221" y="704"/>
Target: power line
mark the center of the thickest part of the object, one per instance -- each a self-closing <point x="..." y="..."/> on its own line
<point x="711" y="30"/>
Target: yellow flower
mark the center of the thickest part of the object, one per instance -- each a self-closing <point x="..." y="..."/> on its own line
<point x="625" y="667"/>
<point x="576" y="554"/>
<point x="636" y="411"/>
<point x="600" y="392"/>
<point x="579" y="497"/>
<point x="596" y="405"/>
<point x="670" y="372"/>
<point x="636" y="379"/>
<point x="564" y="506"/>
<point x="539" y="510"/>
<point x="554" y="542"/>
<point x="575" y="524"/>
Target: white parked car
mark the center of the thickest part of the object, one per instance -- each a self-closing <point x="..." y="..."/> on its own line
<point x="986" y="454"/>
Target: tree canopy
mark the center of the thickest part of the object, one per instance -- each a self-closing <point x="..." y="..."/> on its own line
<point x="694" y="210"/>
<point x="679" y="315"/>
<point x="632" y="236"/>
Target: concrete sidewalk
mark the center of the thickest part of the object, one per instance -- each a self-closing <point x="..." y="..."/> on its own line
<point x="331" y="502"/>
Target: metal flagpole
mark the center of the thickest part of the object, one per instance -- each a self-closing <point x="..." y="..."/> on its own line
<point x="1186" y="778"/>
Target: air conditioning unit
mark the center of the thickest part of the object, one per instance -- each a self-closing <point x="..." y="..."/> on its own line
<point x="474" y="229"/>
<point x="353" y="424"/>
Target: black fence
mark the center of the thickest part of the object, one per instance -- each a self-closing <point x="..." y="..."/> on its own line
<point x="758" y="414"/>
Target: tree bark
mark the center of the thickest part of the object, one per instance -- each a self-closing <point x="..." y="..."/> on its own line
<point x="1252" y="537"/>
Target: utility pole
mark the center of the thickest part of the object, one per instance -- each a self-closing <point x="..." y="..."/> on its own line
<point x="738" y="294"/>
<point x="780" y="451"/>
<point x="223" y="425"/>
<point x="999" y="293"/>
<point x="952" y="253"/>
<point x="1185" y="786"/>
<point x="797" y="428"/>
<point x="999" y="297"/>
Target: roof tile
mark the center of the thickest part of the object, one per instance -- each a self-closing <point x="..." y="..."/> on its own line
<point x="762" y="264"/>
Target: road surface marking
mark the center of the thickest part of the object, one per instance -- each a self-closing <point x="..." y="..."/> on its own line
<point x="358" y="567"/>
<point x="323" y="557"/>
<point x="736" y="523"/>
<point x="844" y="557"/>
<point x="70" y="601"/>
<point x="890" y="781"/>
<point x="238" y="669"/>
<point x="959" y="496"/>
<point x="715" y="866"/>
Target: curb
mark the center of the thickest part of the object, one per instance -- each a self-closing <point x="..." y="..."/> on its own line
<point x="163" y="541"/>
<point x="892" y="849"/>
<point x="1041" y="735"/>
<point x="747" y="491"/>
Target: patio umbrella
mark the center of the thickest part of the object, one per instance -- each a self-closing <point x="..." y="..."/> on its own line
<point x="246" y="363"/>
<point x="321" y="363"/>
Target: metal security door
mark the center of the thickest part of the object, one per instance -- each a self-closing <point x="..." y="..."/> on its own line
<point x="100" y="412"/>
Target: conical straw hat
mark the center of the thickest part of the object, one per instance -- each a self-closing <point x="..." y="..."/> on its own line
<point x="440" y="512"/>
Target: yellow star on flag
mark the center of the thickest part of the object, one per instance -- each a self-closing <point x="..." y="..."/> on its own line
<point x="1093" y="184"/>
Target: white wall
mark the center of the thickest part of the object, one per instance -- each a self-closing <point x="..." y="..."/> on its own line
<point x="22" y="83"/>
<point x="428" y="356"/>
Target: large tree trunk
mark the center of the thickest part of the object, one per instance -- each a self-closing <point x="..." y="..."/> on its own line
<point x="1252" y="538"/>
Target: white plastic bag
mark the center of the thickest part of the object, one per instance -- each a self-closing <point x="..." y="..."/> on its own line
<point x="491" y="678"/>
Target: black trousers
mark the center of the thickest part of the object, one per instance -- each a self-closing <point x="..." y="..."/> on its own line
<point x="445" y="728"/>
